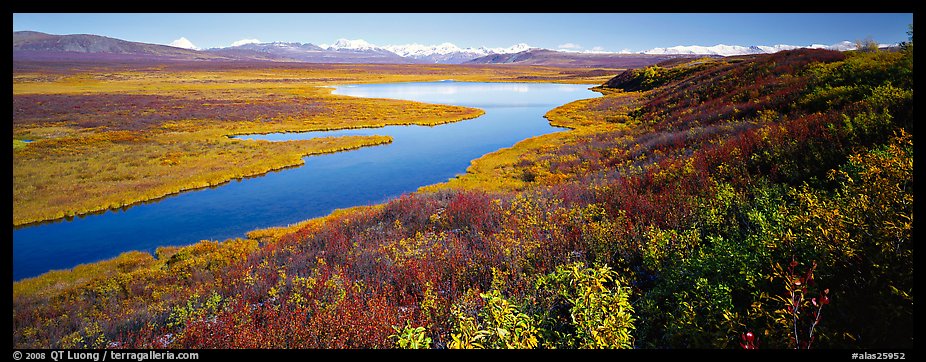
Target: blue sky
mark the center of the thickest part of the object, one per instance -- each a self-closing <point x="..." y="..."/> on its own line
<point x="610" y="32"/>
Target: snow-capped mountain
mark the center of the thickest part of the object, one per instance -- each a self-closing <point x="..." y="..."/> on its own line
<point x="728" y="50"/>
<point x="354" y="45"/>
<point x="719" y="49"/>
<point x="517" y="48"/>
<point x="841" y="46"/>
<point x="277" y="47"/>
<point x="442" y="53"/>
<point x="419" y="50"/>
<point x="449" y="52"/>
<point x="362" y="51"/>
<point x="359" y="50"/>
<point x="340" y="52"/>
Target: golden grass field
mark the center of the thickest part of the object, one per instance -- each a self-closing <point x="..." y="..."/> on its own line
<point x="106" y="138"/>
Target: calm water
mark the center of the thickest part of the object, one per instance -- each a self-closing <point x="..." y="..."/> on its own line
<point x="417" y="156"/>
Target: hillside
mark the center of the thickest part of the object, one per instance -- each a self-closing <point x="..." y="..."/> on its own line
<point x="30" y="45"/>
<point x="759" y="201"/>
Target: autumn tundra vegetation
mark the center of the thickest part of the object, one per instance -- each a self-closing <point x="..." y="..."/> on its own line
<point x="119" y="135"/>
<point x="760" y="201"/>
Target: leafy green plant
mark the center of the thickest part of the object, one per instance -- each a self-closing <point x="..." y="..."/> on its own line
<point x="502" y="326"/>
<point x="411" y="337"/>
<point x="598" y="307"/>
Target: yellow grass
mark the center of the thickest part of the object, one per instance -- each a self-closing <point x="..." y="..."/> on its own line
<point x="118" y="273"/>
<point x="56" y="281"/>
<point x="143" y="169"/>
<point x="17" y="144"/>
<point x="73" y="170"/>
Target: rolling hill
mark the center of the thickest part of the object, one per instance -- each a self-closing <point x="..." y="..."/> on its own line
<point x="31" y="45"/>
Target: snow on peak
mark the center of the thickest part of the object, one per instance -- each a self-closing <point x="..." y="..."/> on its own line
<point x="184" y="43"/>
<point x="728" y="50"/>
<point x="420" y="50"/>
<point x="775" y="48"/>
<point x="842" y="46"/>
<point x="446" y="48"/>
<point x="347" y="44"/>
<point x="719" y="49"/>
<point x="283" y="44"/>
<point x="245" y="42"/>
<point x="517" y="48"/>
<point x="440" y="52"/>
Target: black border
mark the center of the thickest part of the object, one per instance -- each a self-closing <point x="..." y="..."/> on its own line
<point x="469" y="6"/>
<point x="616" y="6"/>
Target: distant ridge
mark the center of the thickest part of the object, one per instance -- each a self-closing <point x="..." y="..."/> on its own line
<point x="572" y="59"/>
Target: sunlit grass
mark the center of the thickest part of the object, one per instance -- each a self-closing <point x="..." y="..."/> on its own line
<point x="97" y="174"/>
<point x="58" y="281"/>
<point x="108" y="138"/>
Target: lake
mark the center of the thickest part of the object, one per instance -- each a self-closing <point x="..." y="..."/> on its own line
<point x="418" y="156"/>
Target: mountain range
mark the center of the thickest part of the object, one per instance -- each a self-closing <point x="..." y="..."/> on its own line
<point x="730" y="50"/>
<point x="30" y="45"/>
<point x="310" y="53"/>
<point x="344" y="50"/>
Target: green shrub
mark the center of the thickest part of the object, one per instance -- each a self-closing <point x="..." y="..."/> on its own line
<point x="500" y="325"/>
<point x="411" y="338"/>
<point x="588" y="308"/>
